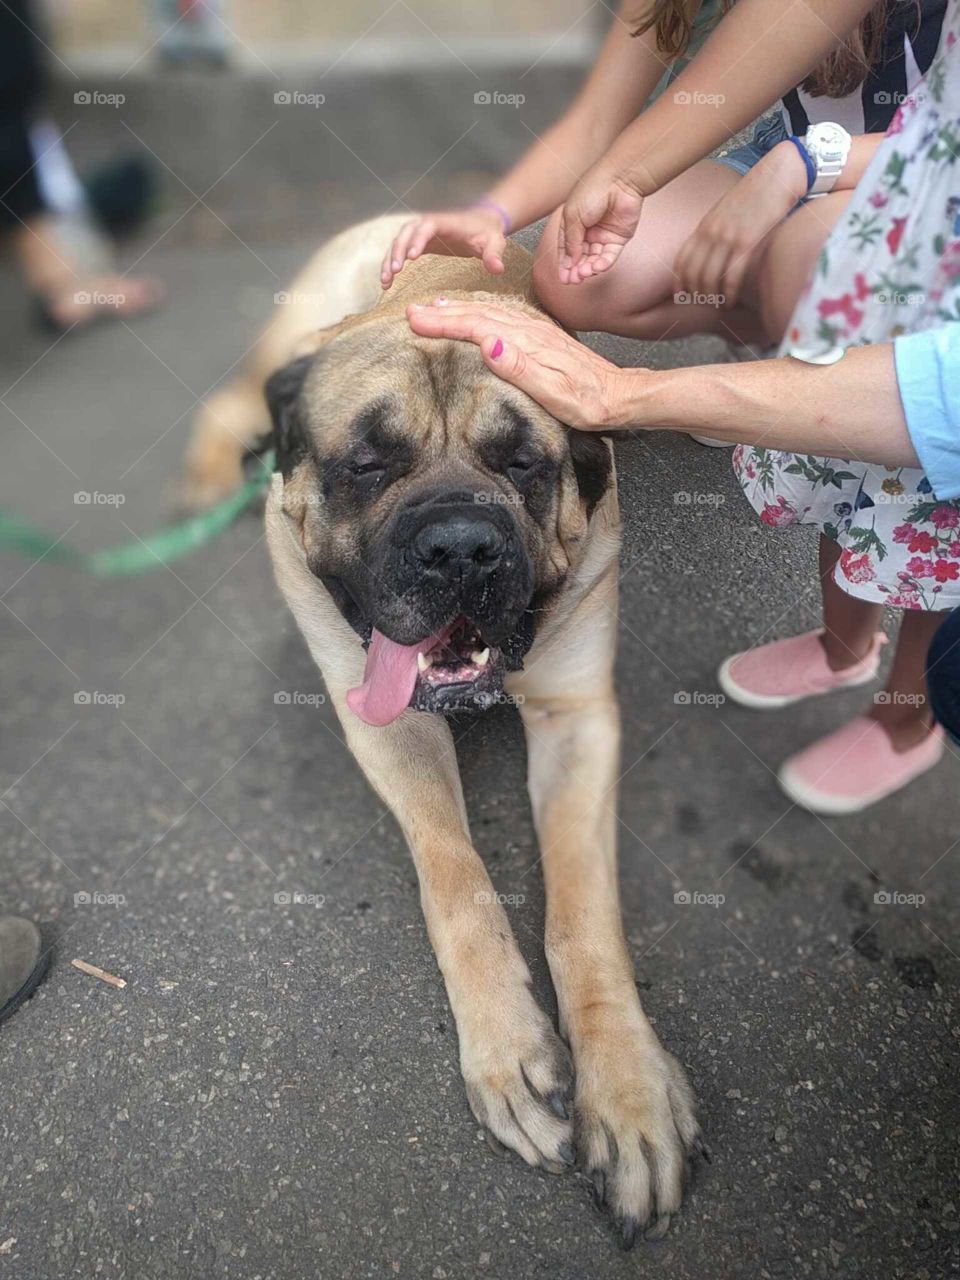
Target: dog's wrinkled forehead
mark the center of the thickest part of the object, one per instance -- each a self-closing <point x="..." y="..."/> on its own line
<point x="438" y="393"/>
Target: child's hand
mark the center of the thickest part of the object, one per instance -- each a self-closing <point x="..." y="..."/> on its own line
<point x="460" y="233"/>
<point x="598" y="220"/>
<point x="715" y="258"/>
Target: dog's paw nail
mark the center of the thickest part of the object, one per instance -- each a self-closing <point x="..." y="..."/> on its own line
<point x="599" y="1180"/>
<point x="494" y="1143"/>
<point x="567" y="1153"/>
<point x="659" y="1229"/>
<point x="704" y="1150"/>
<point x="558" y="1104"/>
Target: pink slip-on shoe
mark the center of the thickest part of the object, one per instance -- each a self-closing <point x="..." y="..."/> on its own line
<point x="786" y="671"/>
<point x="854" y="767"/>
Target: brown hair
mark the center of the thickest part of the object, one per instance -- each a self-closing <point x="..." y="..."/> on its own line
<point x="838" y="74"/>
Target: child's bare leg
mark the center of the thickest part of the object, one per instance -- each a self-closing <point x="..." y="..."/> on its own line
<point x="849" y="627"/>
<point x="903" y="708"/>
<point x="849" y="623"/>
<point x="637" y="298"/>
<point x="784" y="261"/>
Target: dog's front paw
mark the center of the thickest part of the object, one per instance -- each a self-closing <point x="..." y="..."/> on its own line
<point x="636" y="1130"/>
<point x="519" y="1078"/>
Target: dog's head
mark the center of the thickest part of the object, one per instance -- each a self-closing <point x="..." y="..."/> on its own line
<point x="441" y="507"/>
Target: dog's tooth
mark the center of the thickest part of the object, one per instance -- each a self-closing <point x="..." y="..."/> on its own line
<point x="424" y="662"/>
<point x="480" y="656"/>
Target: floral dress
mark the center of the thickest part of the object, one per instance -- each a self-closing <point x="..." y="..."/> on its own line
<point x="891" y="266"/>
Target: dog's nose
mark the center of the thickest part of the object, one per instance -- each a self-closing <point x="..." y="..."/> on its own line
<point x="459" y="547"/>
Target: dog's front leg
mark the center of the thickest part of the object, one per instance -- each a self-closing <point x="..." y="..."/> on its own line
<point x="635" y="1124"/>
<point x="517" y="1070"/>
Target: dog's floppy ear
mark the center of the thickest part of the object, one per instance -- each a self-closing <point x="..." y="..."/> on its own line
<point x="282" y="391"/>
<point x="592" y="466"/>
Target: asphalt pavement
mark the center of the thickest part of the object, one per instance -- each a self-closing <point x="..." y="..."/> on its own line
<point x="275" y="1094"/>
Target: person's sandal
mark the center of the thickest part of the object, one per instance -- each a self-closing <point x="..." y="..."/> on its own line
<point x="23" y="962"/>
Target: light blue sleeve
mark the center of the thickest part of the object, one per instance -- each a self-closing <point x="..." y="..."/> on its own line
<point x="928" y="374"/>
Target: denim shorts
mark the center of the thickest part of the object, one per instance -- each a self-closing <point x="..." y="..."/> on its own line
<point x="767" y="134"/>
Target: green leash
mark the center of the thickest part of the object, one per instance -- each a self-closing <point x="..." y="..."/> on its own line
<point x="163" y="547"/>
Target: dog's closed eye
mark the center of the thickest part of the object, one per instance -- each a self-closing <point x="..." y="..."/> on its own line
<point x="365" y="461"/>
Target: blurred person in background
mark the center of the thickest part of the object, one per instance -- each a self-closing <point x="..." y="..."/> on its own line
<point x="191" y="33"/>
<point x="44" y="213"/>
<point x="45" y="219"/>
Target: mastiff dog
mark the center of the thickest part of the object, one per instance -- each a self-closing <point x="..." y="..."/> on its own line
<point x="444" y="543"/>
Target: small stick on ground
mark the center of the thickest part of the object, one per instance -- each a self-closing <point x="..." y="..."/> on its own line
<point x="95" y="971"/>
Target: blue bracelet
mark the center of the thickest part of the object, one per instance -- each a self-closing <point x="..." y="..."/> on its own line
<point x="807" y="159"/>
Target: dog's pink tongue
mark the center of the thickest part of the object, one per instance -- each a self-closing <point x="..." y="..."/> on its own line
<point x="388" y="680"/>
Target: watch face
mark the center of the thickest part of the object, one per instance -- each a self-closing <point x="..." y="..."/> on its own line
<point x="827" y="139"/>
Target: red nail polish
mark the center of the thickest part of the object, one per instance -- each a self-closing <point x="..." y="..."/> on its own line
<point x="497" y="351"/>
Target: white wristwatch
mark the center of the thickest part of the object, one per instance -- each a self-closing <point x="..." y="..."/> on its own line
<point x="828" y="145"/>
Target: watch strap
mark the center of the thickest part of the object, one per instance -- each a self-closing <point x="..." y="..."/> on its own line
<point x="807" y="159"/>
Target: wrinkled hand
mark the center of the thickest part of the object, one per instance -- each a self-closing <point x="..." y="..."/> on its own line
<point x="715" y="259"/>
<point x="573" y="383"/>
<point x="598" y="220"/>
<point x="460" y="233"/>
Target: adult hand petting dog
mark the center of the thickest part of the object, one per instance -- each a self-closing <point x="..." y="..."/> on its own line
<point x="572" y="382"/>
<point x="853" y="406"/>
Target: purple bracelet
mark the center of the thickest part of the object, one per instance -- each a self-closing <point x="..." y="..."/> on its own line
<point x="486" y="203"/>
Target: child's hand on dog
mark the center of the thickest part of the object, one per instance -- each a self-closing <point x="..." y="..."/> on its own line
<point x="461" y="233"/>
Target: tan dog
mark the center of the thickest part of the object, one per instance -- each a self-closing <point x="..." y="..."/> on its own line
<point x="434" y="513"/>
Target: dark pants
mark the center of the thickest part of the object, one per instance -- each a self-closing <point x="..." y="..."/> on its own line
<point x="943" y="675"/>
<point x="21" y="83"/>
